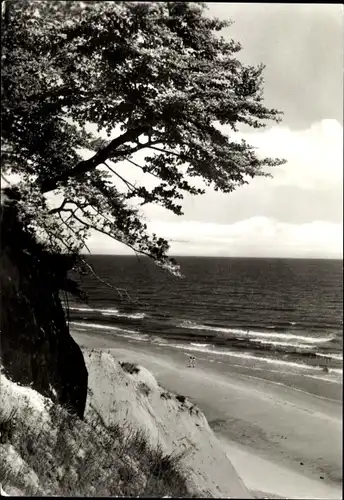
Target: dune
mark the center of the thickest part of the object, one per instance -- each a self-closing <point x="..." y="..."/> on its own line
<point x="136" y="400"/>
<point x="281" y="441"/>
<point x="119" y="394"/>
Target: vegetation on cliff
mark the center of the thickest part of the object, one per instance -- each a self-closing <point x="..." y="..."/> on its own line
<point x="44" y="450"/>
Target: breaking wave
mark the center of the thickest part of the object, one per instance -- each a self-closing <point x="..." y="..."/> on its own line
<point x="109" y="312"/>
<point x="254" y="334"/>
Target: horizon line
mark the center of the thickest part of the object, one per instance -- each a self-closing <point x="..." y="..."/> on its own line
<point x="214" y="256"/>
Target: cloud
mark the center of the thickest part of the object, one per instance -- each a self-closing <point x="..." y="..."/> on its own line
<point x="257" y="236"/>
<point x="254" y="237"/>
<point x="314" y="159"/>
<point x="314" y="156"/>
<point x="302" y="48"/>
<point x="297" y="213"/>
<point x="307" y="188"/>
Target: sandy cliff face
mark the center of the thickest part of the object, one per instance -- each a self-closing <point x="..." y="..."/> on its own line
<point x="137" y="399"/>
<point x="19" y="402"/>
<point x="118" y="393"/>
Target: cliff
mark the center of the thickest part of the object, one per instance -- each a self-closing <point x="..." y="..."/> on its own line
<point x="136" y="440"/>
<point x="130" y="395"/>
<point x="36" y="346"/>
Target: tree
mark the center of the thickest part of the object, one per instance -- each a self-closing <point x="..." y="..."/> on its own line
<point x="160" y="75"/>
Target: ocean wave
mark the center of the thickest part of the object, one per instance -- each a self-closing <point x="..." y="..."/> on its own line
<point x="325" y="379"/>
<point x="101" y="327"/>
<point x="109" y="312"/>
<point x="336" y="370"/>
<point x="82" y="309"/>
<point x="199" y="345"/>
<point x="337" y="357"/>
<point x="121" y="332"/>
<point x="156" y="340"/>
<point x="135" y="336"/>
<point x="251" y="333"/>
<point x="284" y="344"/>
<point x="289" y="364"/>
<point x="123" y="315"/>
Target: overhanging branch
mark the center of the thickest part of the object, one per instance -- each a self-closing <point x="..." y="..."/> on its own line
<point x="100" y="157"/>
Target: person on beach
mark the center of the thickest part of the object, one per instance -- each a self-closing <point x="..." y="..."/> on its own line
<point x="191" y="362"/>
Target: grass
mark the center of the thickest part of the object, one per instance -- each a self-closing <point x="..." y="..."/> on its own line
<point x="6" y="427"/>
<point x="72" y="457"/>
<point x="130" y="368"/>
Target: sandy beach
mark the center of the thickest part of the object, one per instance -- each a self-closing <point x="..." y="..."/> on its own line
<point x="283" y="442"/>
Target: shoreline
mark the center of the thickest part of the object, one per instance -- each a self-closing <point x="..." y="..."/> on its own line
<point x="298" y="376"/>
<point x="279" y="430"/>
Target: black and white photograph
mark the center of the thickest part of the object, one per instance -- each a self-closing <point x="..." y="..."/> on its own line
<point x="171" y="249"/>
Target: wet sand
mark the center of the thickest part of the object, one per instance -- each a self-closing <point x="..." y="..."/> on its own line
<point x="293" y="438"/>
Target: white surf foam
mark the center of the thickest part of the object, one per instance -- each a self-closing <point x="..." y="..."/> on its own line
<point x="123" y="315"/>
<point x="136" y="336"/>
<point x="338" y="357"/>
<point x="243" y="356"/>
<point x="251" y="333"/>
<point x="199" y="345"/>
<point x="109" y="312"/>
<point x="82" y="309"/>
<point x="119" y="331"/>
<point x="325" y="379"/>
<point x="286" y="344"/>
<point x="100" y="327"/>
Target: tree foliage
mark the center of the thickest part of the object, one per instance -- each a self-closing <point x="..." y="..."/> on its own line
<point x="158" y="73"/>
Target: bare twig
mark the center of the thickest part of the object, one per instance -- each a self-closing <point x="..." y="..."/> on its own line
<point x="6" y="180"/>
<point x="71" y="229"/>
<point x="120" y="291"/>
<point x="139" y="166"/>
<point x="130" y="186"/>
<point x="165" y="151"/>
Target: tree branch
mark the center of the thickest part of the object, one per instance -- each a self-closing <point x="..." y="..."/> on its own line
<point x="6" y="180"/>
<point x="71" y="229"/>
<point x="58" y="209"/>
<point x="165" y="151"/>
<point x="130" y="186"/>
<point x="120" y="291"/>
<point x="103" y="154"/>
<point x="139" y="166"/>
<point x="90" y="226"/>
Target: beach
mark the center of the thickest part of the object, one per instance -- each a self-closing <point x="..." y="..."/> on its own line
<point x="283" y="442"/>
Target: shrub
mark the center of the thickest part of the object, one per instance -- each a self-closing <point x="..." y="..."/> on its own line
<point x="181" y="398"/>
<point x="130" y="368"/>
<point x="143" y="387"/>
<point x="166" y="395"/>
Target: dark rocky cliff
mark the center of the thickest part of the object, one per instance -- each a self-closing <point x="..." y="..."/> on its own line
<point x="36" y="347"/>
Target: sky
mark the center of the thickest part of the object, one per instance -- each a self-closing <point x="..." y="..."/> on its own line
<point x="299" y="212"/>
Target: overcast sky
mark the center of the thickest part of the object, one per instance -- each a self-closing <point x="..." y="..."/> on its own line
<point x="299" y="212"/>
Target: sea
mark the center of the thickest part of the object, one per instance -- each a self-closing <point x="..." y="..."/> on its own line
<point x="279" y="314"/>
